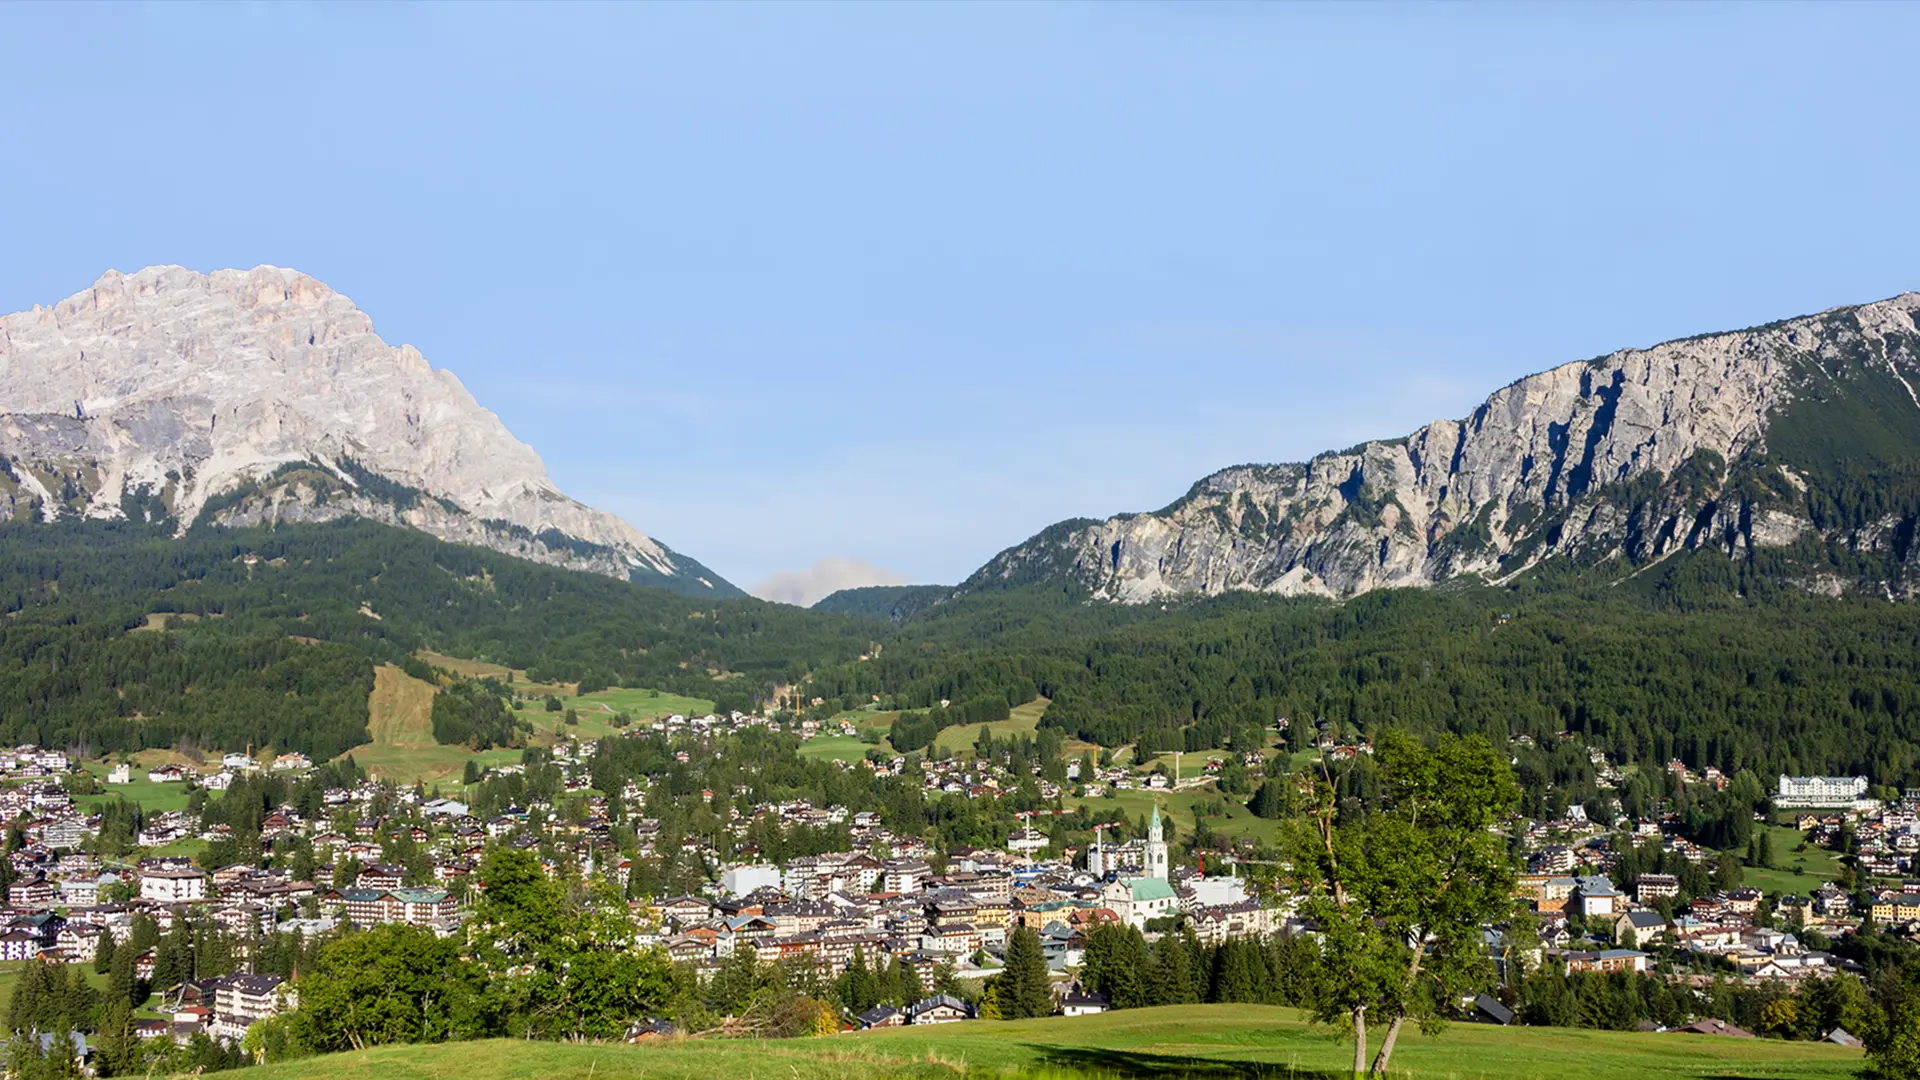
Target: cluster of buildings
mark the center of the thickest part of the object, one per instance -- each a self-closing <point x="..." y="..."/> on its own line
<point x="1568" y="885"/>
<point x="880" y="899"/>
<point x="213" y="779"/>
<point x="1619" y="925"/>
<point x="828" y="909"/>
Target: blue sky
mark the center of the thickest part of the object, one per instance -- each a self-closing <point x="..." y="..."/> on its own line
<point x="905" y="283"/>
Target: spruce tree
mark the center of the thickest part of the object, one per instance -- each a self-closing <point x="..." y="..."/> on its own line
<point x="145" y="933"/>
<point x="23" y="1055"/>
<point x="103" y="953"/>
<point x="1024" y="990"/>
<point x="857" y="990"/>
<point x="911" y="988"/>
<point x="117" y="1046"/>
<point x="77" y="1001"/>
<point x="122" y="980"/>
<point x="24" y="1008"/>
<point x="1173" y="982"/>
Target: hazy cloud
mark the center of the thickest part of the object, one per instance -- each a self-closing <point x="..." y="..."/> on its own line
<point x="804" y="587"/>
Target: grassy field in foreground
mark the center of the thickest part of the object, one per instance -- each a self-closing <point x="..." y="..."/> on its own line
<point x="1200" y="1042"/>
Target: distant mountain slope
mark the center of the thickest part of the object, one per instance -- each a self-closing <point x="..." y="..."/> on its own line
<point x="271" y="635"/>
<point x="262" y="396"/>
<point x="894" y="603"/>
<point x="1802" y="436"/>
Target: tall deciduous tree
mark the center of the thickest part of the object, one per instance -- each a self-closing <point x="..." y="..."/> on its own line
<point x="1402" y="885"/>
<point x="1892" y="1034"/>
<point x="391" y="984"/>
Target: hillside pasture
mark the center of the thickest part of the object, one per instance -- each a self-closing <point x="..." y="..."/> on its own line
<point x="835" y="748"/>
<point x="153" y="798"/>
<point x="400" y="718"/>
<point x="1181" y="808"/>
<point x="1022" y="720"/>
<point x="1794" y="871"/>
<point x="596" y="711"/>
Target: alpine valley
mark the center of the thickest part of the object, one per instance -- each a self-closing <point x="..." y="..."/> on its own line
<point x="429" y="752"/>
<point x="1615" y="548"/>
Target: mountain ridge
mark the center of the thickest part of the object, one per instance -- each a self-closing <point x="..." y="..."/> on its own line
<point x="1713" y="440"/>
<point x="261" y="396"/>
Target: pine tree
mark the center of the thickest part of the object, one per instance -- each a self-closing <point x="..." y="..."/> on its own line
<point x="23" y="1055"/>
<point x="117" y="1047"/>
<point x="1024" y="990"/>
<point x="103" y="953"/>
<point x="857" y="990"/>
<point x="61" y="1061"/>
<point x="145" y="933"/>
<point x="1173" y="982"/>
<point x="911" y="988"/>
<point x="23" y="1010"/>
<point x="77" y="1001"/>
<point x="1232" y="977"/>
<point x="1116" y="965"/>
<point x="122" y="980"/>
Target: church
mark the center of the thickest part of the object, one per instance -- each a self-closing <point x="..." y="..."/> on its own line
<point x="1137" y="899"/>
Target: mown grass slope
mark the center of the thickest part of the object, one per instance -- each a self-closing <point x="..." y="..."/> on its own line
<point x="1023" y="720"/>
<point x="1203" y="1042"/>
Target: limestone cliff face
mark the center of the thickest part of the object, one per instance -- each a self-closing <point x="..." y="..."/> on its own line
<point x="268" y="396"/>
<point x="1702" y="442"/>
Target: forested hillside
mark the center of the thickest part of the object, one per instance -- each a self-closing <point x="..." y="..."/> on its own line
<point x="274" y="632"/>
<point x="894" y="603"/>
<point x="1706" y="662"/>
<point x="272" y="635"/>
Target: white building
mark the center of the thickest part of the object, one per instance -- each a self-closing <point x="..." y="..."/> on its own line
<point x="1595" y="896"/>
<point x="904" y="875"/>
<point x="1821" y="791"/>
<point x="1218" y="891"/>
<point x="742" y="880"/>
<point x="173" y="885"/>
<point x="241" y="1000"/>
<point x="1027" y="841"/>
<point x="1137" y="900"/>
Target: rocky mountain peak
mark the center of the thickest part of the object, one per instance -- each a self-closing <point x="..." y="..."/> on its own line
<point x="265" y="395"/>
<point x="1708" y="441"/>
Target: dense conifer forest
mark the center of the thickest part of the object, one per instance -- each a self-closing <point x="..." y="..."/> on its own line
<point x="119" y="636"/>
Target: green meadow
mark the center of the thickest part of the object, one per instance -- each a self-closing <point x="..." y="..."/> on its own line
<point x="1200" y="1042"/>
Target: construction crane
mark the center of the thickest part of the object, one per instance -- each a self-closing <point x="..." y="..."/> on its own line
<point x="1236" y="860"/>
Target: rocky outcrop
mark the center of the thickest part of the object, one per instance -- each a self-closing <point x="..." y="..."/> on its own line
<point x="1627" y="455"/>
<point x="160" y="393"/>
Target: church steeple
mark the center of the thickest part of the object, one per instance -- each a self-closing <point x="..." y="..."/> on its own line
<point x="1156" y="847"/>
